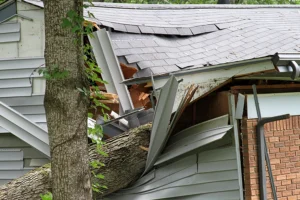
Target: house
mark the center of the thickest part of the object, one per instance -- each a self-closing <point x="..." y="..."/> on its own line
<point x="24" y="141"/>
<point x="209" y="150"/>
<point x="195" y="64"/>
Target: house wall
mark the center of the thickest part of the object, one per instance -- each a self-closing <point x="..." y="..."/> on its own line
<point x="21" y="87"/>
<point x="31" y="41"/>
<point x="283" y="140"/>
<point x="195" y="164"/>
<point x="208" y="175"/>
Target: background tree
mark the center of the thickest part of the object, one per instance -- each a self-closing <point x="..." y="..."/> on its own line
<point x="66" y="107"/>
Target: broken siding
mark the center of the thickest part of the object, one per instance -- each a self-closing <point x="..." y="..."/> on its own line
<point x="210" y="78"/>
<point x="209" y="172"/>
<point x="206" y="175"/>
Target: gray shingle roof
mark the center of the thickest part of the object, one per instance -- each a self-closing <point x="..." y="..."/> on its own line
<point x="179" y="37"/>
<point x="167" y="38"/>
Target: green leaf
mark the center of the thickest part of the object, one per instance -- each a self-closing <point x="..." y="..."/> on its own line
<point x="66" y="23"/>
<point x="71" y="14"/>
<point x="90" y="115"/>
<point x="100" y="176"/>
<point x="47" y="196"/>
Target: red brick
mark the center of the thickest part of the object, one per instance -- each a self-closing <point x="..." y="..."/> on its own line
<point x="273" y="150"/>
<point x="275" y="161"/>
<point x="275" y="139"/>
<point x="278" y="133"/>
<point x="284" y="152"/>
<point x="294" y="159"/>
<point x="291" y="187"/>
<point x="280" y="166"/>
<point x="286" y="149"/>
<point x="285" y="171"/>
<point x="286" y="182"/>
<point x="281" y="188"/>
<point x="279" y="144"/>
<point x="290" y="154"/>
<point x="289" y="143"/>
<point x="297" y="142"/>
<point x="296" y="192"/>
<point x="291" y="176"/>
<point x="283" y="138"/>
<point x="288" y="132"/>
<point x="281" y="177"/>
<point x="292" y="197"/>
<point x="282" y="198"/>
<point x="285" y="160"/>
<point x="294" y="137"/>
<point x="294" y="148"/>
<point x="287" y="193"/>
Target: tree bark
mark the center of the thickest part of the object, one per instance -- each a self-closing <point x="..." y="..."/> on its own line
<point x="124" y="165"/>
<point x="66" y="108"/>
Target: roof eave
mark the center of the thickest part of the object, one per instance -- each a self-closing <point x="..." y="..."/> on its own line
<point x="197" y="70"/>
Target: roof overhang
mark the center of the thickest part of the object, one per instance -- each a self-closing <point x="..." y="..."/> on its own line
<point x="197" y="70"/>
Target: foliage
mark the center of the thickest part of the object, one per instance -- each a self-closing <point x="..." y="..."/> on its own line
<point x="55" y="73"/>
<point x="47" y="196"/>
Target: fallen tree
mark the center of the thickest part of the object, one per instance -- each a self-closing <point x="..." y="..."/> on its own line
<point x="123" y="165"/>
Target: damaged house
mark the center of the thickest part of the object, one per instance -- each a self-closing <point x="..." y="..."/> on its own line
<point x="218" y="82"/>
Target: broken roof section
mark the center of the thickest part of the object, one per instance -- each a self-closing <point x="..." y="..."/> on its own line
<point x="168" y="38"/>
<point x="163" y="39"/>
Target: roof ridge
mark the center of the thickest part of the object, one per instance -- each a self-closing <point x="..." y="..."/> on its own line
<point x="188" y="6"/>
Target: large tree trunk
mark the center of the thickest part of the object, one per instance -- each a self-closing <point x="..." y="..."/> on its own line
<point x="66" y="108"/>
<point x="124" y="165"/>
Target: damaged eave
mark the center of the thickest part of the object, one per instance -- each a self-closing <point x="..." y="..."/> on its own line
<point x="210" y="78"/>
<point x="197" y="70"/>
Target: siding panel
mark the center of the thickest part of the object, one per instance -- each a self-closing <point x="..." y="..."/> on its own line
<point x="10" y="28"/>
<point x="10" y="37"/>
<point x="229" y="195"/>
<point x="11" y="154"/>
<point x="214" y="176"/>
<point x="11" y="165"/>
<point x="23" y="101"/>
<point x="13" y="174"/>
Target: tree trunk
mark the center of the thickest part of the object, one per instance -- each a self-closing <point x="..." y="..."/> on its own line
<point x="124" y="165"/>
<point x="66" y="108"/>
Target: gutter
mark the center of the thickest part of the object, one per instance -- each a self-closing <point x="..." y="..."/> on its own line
<point x="287" y="62"/>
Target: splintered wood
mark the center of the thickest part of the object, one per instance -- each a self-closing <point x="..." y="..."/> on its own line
<point x="128" y="72"/>
<point x="140" y="96"/>
<point x="182" y="106"/>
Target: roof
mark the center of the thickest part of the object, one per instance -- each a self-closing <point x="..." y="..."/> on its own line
<point x="162" y="39"/>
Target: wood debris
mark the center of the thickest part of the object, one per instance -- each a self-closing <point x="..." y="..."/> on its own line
<point x="128" y="72"/>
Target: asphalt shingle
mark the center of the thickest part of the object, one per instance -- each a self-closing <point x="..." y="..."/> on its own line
<point x="209" y="36"/>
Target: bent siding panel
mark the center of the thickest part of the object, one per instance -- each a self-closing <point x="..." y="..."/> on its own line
<point x="214" y="174"/>
<point x="205" y="173"/>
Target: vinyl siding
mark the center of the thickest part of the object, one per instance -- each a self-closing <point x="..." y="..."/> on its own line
<point x="206" y="175"/>
<point x="207" y="171"/>
<point x="21" y="54"/>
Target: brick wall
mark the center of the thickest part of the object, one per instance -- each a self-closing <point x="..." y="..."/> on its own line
<point x="283" y="140"/>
